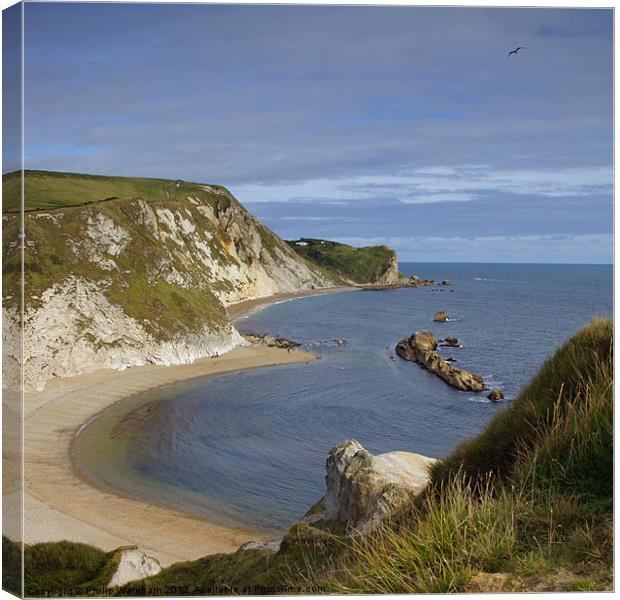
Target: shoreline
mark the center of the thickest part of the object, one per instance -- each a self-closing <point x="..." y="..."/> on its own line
<point x="61" y="502"/>
<point x="241" y="309"/>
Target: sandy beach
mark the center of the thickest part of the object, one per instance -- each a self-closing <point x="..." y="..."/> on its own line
<point x="61" y="504"/>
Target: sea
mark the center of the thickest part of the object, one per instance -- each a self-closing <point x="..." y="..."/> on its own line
<point x="249" y="448"/>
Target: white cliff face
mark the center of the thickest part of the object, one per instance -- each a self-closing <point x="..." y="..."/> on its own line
<point x="105" y="233"/>
<point x="262" y="270"/>
<point x="129" y="282"/>
<point x="77" y="330"/>
<point x="391" y="274"/>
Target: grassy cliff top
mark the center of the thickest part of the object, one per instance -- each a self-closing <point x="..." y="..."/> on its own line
<point x="50" y="189"/>
<point x="361" y="265"/>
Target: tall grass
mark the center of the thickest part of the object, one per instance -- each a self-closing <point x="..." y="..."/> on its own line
<point x="57" y="568"/>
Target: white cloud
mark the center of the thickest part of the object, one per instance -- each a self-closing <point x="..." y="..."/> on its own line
<point x="435" y="184"/>
<point x="432" y="198"/>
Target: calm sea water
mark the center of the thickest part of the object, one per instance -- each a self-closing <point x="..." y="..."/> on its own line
<point x="250" y="447"/>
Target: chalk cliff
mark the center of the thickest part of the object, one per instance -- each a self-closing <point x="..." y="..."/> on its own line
<point x="136" y="280"/>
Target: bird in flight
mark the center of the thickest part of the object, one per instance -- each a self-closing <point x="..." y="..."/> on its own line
<point x="515" y="51"/>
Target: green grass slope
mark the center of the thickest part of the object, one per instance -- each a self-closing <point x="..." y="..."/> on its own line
<point x="346" y="263"/>
<point x="51" y="189"/>
<point x="57" y="569"/>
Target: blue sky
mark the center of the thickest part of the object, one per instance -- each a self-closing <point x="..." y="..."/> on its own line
<point x="405" y="126"/>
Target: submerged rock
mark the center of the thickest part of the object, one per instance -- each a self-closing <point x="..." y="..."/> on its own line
<point x="440" y="316"/>
<point x="496" y="395"/>
<point x="363" y="489"/>
<point x="421" y="348"/>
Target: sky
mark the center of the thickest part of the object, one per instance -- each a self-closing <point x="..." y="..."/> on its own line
<point x="405" y="126"/>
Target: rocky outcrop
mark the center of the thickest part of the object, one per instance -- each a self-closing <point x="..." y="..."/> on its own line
<point x="399" y="282"/>
<point x="440" y="316"/>
<point x="371" y="265"/>
<point x="421" y="348"/>
<point x="270" y="340"/>
<point x="560" y="580"/>
<point x="363" y="489"/>
<point x="133" y="564"/>
<point x="450" y="342"/>
<point x="496" y="395"/>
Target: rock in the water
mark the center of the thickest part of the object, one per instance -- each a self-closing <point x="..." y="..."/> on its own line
<point x="340" y="343"/>
<point x="403" y="282"/>
<point x="447" y="282"/>
<point x="134" y="564"/>
<point x="496" y="395"/>
<point x="451" y="342"/>
<point x="362" y="488"/>
<point x="421" y="348"/>
<point x="270" y="340"/>
<point x="440" y="316"/>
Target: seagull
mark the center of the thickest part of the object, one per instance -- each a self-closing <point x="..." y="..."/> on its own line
<point x="515" y="51"/>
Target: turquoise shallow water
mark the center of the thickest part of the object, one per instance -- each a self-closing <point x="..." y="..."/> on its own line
<point x="250" y="447"/>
